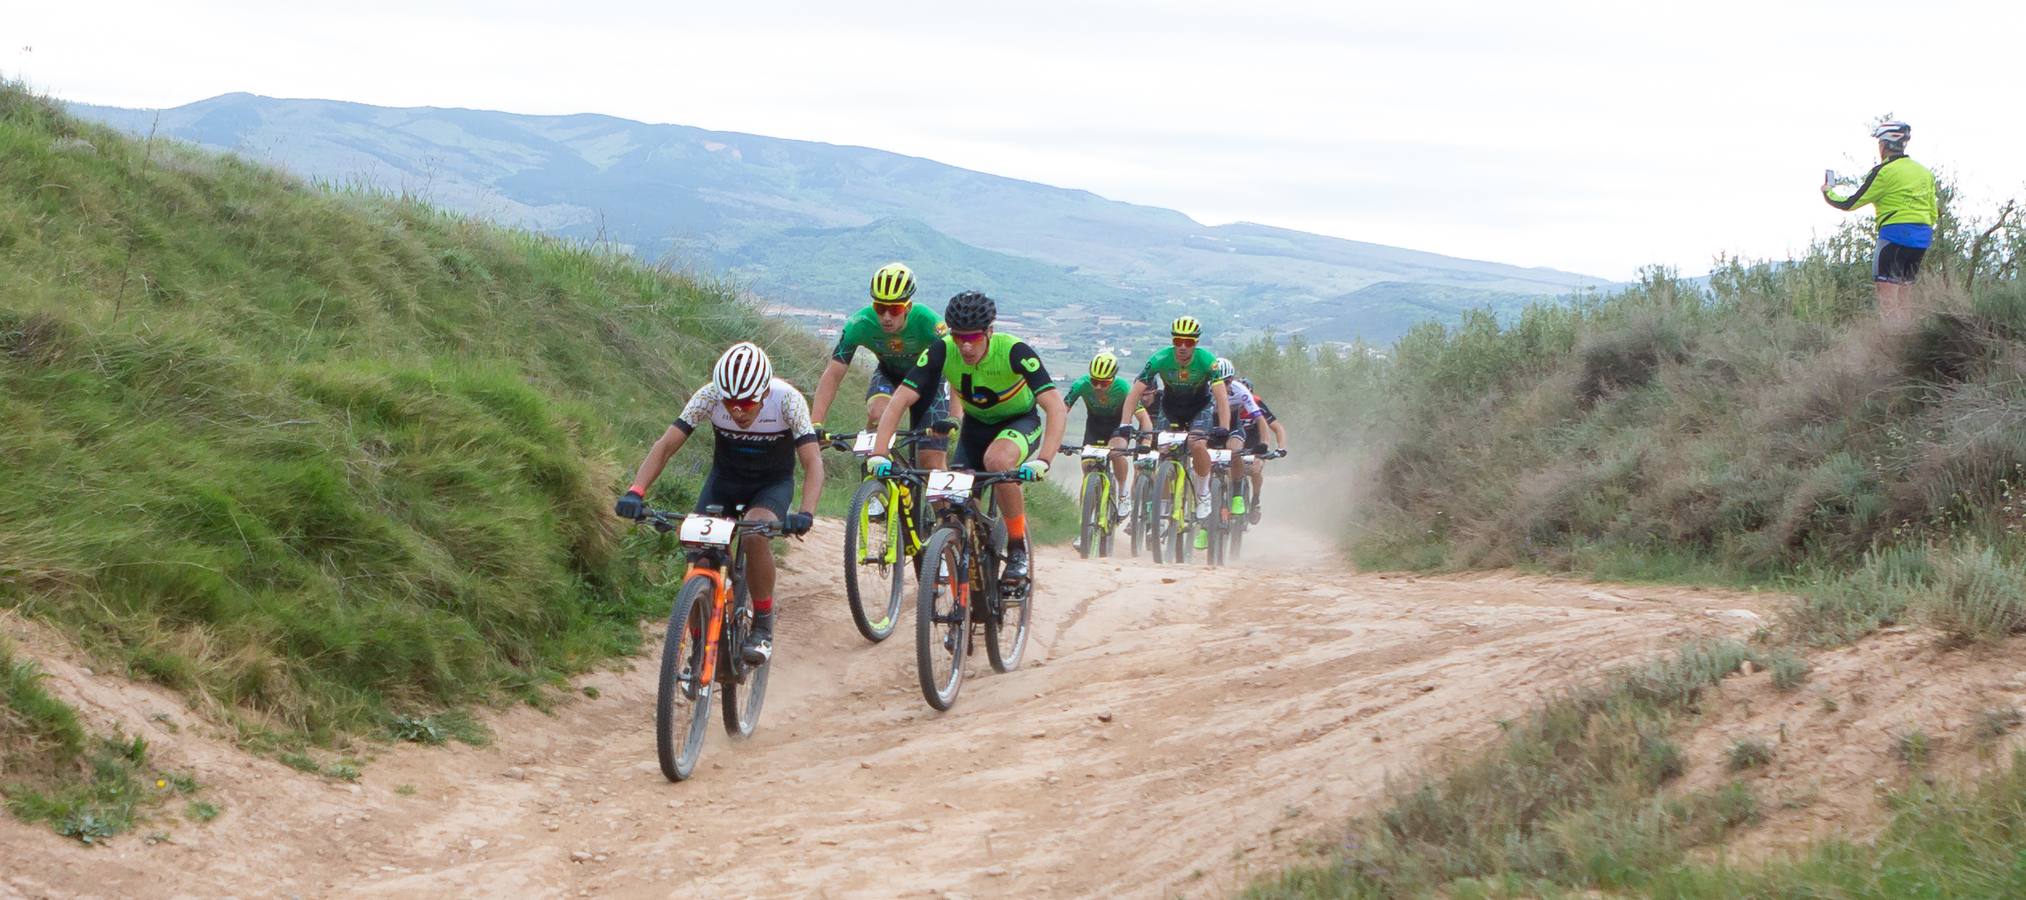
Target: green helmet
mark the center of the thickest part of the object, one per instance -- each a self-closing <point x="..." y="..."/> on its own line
<point x="893" y="283"/>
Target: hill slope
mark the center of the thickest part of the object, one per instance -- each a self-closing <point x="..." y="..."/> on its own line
<point x="730" y="200"/>
<point x="321" y="458"/>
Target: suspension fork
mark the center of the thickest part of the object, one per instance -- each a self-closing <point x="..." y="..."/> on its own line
<point x="715" y="626"/>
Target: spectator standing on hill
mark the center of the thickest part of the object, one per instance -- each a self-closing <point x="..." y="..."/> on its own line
<point x="1901" y="192"/>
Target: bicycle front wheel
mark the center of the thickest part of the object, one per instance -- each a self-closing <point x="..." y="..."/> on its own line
<point x="874" y="576"/>
<point x="942" y="623"/>
<point x="682" y="706"/>
<point x="1093" y="495"/>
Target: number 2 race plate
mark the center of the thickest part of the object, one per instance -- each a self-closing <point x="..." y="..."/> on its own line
<point x="944" y="485"/>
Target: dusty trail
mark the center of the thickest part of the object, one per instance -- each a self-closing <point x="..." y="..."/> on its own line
<point x="1250" y="709"/>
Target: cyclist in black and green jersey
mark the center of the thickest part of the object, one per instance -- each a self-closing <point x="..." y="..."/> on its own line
<point x="1105" y="411"/>
<point x="896" y="330"/>
<point x="1190" y="399"/>
<point x="1005" y="390"/>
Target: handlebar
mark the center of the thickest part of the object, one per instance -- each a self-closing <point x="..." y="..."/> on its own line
<point x="844" y="442"/>
<point x="978" y="479"/>
<point x="665" y="521"/>
<point x="1077" y="449"/>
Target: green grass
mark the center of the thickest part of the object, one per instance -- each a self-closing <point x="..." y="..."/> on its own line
<point x="1748" y="753"/>
<point x="320" y="457"/>
<point x="1759" y="431"/>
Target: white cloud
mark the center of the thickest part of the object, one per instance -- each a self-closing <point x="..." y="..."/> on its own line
<point x="1588" y="136"/>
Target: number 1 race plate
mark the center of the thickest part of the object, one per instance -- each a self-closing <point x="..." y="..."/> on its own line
<point x="706" y="531"/>
<point x="1172" y="438"/>
<point x="863" y="446"/>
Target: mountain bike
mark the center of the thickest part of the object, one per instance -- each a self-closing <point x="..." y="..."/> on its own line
<point x="700" y="655"/>
<point x="1171" y="506"/>
<point x="1140" y="518"/>
<point x="883" y="527"/>
<point x="1235" y="537"/>
<point x="960" y="588"/>
<point x="1099" y="499"/>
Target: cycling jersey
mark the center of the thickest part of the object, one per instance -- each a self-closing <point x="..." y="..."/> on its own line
<point x="1185" y="389"/>
<point x="895" y="352"/>
<point x="758" y="453"/>
<point x="1903" y="194"/>
<point x="1244" y="404"/>
<point x="1001" y="387"/>
<point x="1105" y="410"/>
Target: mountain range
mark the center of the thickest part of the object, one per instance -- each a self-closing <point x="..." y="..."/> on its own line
<point x="803" y="224"/>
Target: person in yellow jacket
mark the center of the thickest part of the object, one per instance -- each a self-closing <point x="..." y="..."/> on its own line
<point x="1901" y="192"/>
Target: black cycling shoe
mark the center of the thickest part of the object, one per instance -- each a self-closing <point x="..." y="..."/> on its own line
<point x="759" y="645"/>
<point x="1016" y="562"/>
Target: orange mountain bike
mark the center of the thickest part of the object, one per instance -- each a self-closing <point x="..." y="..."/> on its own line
<point x="701" y="655"/>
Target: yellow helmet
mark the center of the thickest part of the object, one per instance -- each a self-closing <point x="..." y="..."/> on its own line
<point x="1103" y="366"/>
<point x="1186" y="327"/>
<point x="893" y="283"/>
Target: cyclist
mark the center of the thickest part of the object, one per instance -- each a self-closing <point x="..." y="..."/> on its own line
<point x="1903" y="194"/>
<point x="1004" y="390"/>
<point x="1103" y="415"/>
<point x="896" y="330"/>
<point x="1190" y="399"/>
<point x="761" y="429"/>
<point x="1255" y="418"/>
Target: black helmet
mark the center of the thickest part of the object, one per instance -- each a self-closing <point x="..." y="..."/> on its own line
<point x="970" y="311"/>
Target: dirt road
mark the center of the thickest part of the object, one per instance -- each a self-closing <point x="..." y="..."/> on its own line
<point x="1249" y="710"/>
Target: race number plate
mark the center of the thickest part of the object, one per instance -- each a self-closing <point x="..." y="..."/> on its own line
<point x="1172" y="439"/>
<point x="946" y="485"/>
<point x="1096" y="452"/>
<point x="707" y="532"/>
<point x="863" y="445"/>
<point x="1220" y="457"/>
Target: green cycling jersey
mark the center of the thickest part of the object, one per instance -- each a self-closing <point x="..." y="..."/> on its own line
<point x="895" y="352"/>
<point x="1103" y="403"/>
<point x="1185" y="387"/>
<point x="1901" y="190"/>
<point x="1000" y="387"/>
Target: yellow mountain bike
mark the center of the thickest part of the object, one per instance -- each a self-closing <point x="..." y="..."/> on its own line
<point x="883" y="528"/>
<point x="1099" y="499"/>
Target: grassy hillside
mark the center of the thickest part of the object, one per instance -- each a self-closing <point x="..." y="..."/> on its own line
<point x="1763" y="430"/>
<point x="323" y="459"/>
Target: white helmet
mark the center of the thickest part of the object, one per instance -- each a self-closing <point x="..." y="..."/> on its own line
<point x="744" y="372"/>
<point x="1222" y="369"/>
<point x="1893" y="133"/>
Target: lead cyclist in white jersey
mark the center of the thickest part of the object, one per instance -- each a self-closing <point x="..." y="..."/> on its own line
<point x="761" y="428"/>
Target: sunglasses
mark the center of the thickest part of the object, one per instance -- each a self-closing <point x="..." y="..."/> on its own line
<point x="890" y="309"/>
<point x="738" y="405"/>
<point x="968" y="337"/>
<point x="1185" y="342"/>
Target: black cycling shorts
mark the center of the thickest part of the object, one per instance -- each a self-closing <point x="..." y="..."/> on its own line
<point x="927" y="410"/>
<point x="976" y="437"/>
<point x="734" y="494"/>
<point x="1896" y="263"/>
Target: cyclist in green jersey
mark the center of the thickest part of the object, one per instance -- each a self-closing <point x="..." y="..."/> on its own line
<point x="896" y="330"/>
<point x="1903" y="194"/>
<point x="1190" y="399"/>
<point x="1005" y="390"/>
<point x="1104" y="412"/>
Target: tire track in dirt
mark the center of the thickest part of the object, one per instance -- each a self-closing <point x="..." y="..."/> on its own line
<point x="1249" y="710"/>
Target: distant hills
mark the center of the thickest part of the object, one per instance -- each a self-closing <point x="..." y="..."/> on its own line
<point x="805" y="223"/>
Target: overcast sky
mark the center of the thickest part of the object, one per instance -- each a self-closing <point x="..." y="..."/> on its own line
<point x="1591" y="137"/>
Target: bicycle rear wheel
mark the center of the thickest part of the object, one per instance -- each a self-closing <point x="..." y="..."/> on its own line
<point x="942" y="623"/>
<point x="1107" y="517"/>
<point x="1093" y="493"/>
<point x="682" y="709"/>
<point x="1220" y="513"/>
<point x="743" y="696"/>
<point x="1162" y="534"/>
<point x="872" y="585"/>
<point x="1006" y="633"/>
<point x="1235" y="543"/>
<point x="1140" y="517"/>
